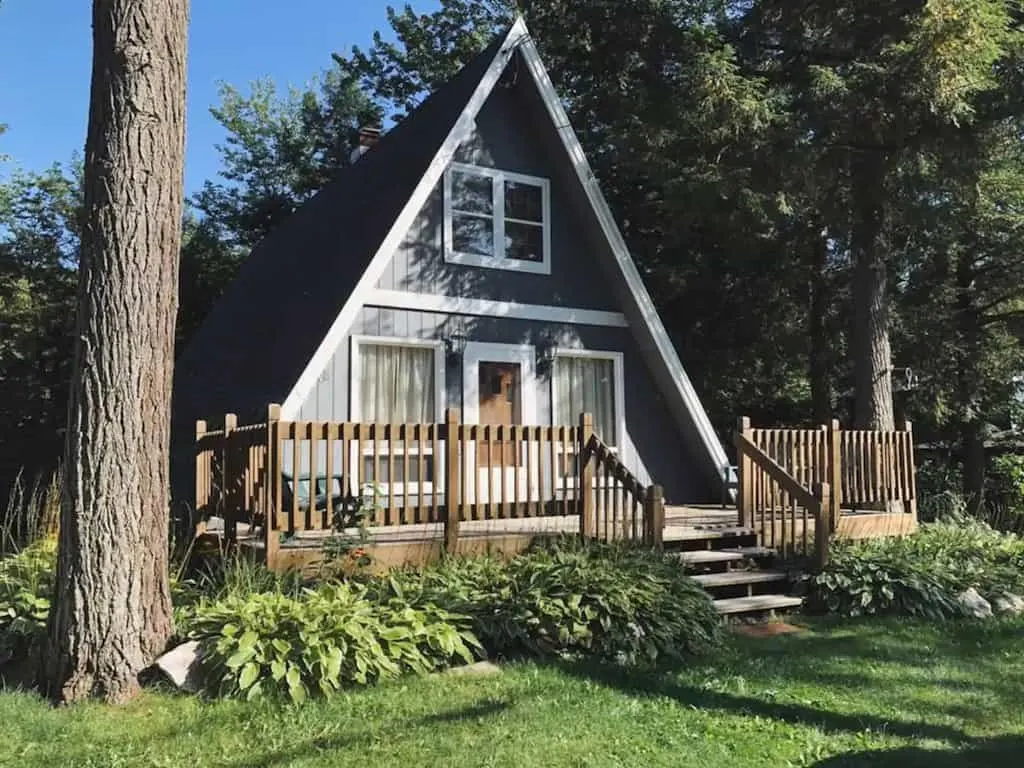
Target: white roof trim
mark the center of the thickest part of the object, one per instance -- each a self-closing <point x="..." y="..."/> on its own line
<point x="683" y="385"/>
<point x="517" y="37"/>
<point x="459" y="132"/>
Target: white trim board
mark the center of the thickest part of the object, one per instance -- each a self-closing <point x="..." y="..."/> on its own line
<point x="477" y="352"/>
<point x="455" y="305"/>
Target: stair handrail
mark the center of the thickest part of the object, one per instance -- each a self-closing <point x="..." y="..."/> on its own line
<point x="596" y="454"/>
<point x="816" y="501"/>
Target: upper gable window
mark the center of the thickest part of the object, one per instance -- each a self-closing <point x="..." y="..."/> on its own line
<point x="497" y="219"/>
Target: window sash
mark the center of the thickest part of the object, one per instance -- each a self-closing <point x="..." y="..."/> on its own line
<point x="587" y="385"/>
<point x="499" y="252"/>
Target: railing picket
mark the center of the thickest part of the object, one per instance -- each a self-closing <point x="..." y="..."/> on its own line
<point x="435" y="463"/>
<point x="517" y="448"/>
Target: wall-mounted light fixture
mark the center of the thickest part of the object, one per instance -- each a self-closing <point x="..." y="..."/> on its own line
<point x="455" y="344"/>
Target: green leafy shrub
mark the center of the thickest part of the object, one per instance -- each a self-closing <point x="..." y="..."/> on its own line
<point x="611" y="602"/>
<point x="321" y="640"/>
<point x="921" y="574"/>
<point x="26" y="587"/>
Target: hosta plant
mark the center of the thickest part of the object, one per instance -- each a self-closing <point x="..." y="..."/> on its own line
<point x="321" y="641"/>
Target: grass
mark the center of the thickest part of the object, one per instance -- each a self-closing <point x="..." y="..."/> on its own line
<point x="878" y="693"/>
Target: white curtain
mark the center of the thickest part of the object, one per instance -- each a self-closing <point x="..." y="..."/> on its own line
<point x="586" y="385"/>
<point x="396" y="384"/>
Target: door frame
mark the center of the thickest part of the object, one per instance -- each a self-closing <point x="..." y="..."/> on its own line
<point x="480" y="351"/>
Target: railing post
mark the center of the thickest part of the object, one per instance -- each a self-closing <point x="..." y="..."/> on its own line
<point x="452" y="470"/>
<point x="654" y="516"/>
<point x="585" y="476"/>
<point x="229" y="500"/>
<point x="834" y="475"/>
<point x="744" y="480"/>
<point x="911" y="470"/>
<point x="272" y="505"/>
<point x="822" y="525"/>
<point x="202" y="493"/>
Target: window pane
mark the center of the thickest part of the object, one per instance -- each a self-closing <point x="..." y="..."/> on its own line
<point x="396" y="384"/>
<point x="524" y="201"/>
<point x="586" y="385"/>
<point x="524" y="242"/>
<point x="472" y="193"/>
<point x="471" y="234"/>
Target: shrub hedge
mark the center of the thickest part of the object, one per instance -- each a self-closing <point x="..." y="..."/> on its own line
<point x="921" y="574"/>
<point x="611" y="602"/>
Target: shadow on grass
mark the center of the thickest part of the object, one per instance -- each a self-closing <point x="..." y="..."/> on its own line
<point x="476" y="712"/>
<point x="654" y="684"/>
<point x="982" y="753"/>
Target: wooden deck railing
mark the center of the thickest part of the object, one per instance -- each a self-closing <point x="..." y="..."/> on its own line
<point x="866" y="471"/>
<point x="620" y="506"/>
<point x="290" y="476"/>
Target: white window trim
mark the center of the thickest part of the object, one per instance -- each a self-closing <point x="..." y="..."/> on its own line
<point x="618" y="380"/>
<point x="618" y="376"/>
<point x="498" y="178"/>
<point x="355" y="376"/>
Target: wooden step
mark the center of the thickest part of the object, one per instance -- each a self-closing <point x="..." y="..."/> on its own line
<point x="687" y="533"/>
<point x="756" y="604"/>
<point x="738" y="578"/>
<point x="708" y="556"/>
<point x="730" y="555"/>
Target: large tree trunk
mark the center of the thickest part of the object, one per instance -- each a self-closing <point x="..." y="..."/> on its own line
<point x="872" y="353"/>
<point x="113" y="612"/>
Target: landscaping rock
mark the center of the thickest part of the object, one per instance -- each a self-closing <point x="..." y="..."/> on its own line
<point x="1009" y="604"/>
<point x="974" y="605"/>
<point x="480" y="669"/>
<point x="181" y="666"/>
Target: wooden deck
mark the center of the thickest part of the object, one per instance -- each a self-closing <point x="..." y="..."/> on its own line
<point x="418" y="543"/>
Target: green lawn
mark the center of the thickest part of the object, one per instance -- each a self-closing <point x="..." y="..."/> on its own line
<point x="883" y="694"/>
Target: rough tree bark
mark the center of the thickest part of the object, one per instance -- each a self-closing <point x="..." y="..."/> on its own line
<point x="872" y="352"/>
<point x="112" y="614"/>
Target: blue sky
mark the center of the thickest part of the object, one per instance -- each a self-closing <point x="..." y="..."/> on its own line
<point x="46" y="49"/>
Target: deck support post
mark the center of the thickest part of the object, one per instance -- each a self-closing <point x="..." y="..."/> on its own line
<point x="452" y="476"/>
<point x="585" y="477"/>
<point x="744" y="478"/>
<point x="654" y="516"/>
<point x="272" y="488"/>
<point x="911" y="506"/>
<point x="823" y="525"/>
<point x="229" y="497"/>
<point x="834" y="474"/>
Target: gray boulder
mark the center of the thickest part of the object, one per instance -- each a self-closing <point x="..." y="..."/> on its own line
<point x="974" y="605"/>
<point x="181" y="666"/>
<point x="1008" y="604"/>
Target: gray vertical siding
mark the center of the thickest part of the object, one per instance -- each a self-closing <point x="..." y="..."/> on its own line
<point x="659" y="453"/>
<point x="498" y="142"/>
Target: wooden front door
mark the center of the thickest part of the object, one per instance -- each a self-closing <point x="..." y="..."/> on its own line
<point x="500" y="388"/>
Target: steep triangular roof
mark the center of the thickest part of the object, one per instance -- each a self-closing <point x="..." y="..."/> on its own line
<point x="301" y="289"/>
<point x="272" y="318"/>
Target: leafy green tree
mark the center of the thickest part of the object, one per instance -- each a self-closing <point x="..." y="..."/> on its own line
<point x="873" y="88"/>
<point x="39" y="236"/>
<point x="280" y="150"/>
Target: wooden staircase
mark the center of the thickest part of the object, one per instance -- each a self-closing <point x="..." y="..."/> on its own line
<point x="743" y="579"/>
